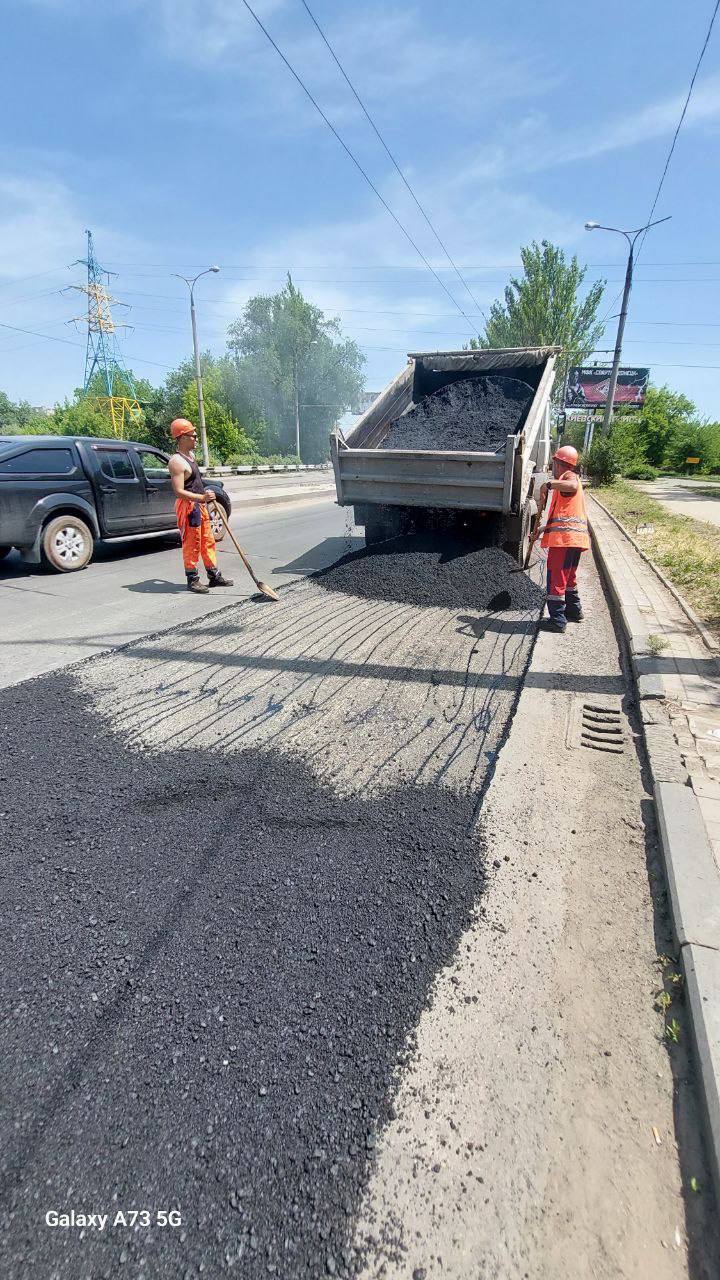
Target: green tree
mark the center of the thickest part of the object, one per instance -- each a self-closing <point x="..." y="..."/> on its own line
<point x="22" y="419"/>
<point x="225" y="437"/>
<point x="666" y="415"/>
<point x="228" y="405"/>
<point x="544" y="308"/>
<point x="87" y="415"/>
<point x="290" y="357"/>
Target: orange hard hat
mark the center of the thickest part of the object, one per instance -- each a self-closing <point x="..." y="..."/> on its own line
<point x="566" y="453"/>
<point x="180" y="427"/>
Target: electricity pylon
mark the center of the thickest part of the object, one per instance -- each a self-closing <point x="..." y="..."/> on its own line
<point x="103" y="352"/>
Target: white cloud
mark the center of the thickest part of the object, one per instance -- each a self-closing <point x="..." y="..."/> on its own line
<point x="534" y="144"/>
<point x="41" y="223"/>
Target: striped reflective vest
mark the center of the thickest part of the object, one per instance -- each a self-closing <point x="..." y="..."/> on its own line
<point x="567" y="522"/>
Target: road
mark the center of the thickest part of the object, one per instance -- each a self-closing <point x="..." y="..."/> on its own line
<point x="697" y="498"/>
<point x="318" y="947"/>
<point x="133" y="588"/>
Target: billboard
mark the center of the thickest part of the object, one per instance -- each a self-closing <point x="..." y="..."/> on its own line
<point x="588" y="386"/>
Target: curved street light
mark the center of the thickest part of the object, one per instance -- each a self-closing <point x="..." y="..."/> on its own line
<point x="631" y="237"/>
<point x="191" y="281"/>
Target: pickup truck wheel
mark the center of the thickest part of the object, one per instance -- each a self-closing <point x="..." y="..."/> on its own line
<point x="216" y="524"/>
<point x="67" y="543"/>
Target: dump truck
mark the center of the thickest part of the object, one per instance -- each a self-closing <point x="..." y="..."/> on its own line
<point x="395" y="491"/>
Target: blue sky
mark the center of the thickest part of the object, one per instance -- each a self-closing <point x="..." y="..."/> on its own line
<point x="172" y="129"/>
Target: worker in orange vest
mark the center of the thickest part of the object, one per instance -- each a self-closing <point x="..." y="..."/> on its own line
<point x="566" y="537"/>
<point x="191" y="510"/>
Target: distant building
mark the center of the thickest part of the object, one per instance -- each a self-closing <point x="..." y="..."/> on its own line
<point x="42" y="410"/>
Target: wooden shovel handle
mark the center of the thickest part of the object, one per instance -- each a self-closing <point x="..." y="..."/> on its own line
<point x="234" y="540"/>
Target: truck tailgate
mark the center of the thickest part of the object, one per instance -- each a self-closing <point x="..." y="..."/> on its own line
<point x="422" y="478"/>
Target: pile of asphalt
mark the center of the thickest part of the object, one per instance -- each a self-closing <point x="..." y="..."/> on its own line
<point x="442" y="570"/>
<point x="476" y="414"/>
<point x="214" y="967"/>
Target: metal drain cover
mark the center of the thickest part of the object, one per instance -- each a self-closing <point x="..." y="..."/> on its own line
<point x="598" y="724"/>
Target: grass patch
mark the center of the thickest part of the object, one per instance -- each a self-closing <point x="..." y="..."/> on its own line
<point x="686" y="550"/>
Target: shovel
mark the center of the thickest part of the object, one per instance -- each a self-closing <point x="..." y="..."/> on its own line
<point x="262" y="587"/>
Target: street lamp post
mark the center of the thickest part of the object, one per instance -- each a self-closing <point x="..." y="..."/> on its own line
<point x="191" y="282"/>
<point x="312" y="343"/>
<point x="631" y="237"/>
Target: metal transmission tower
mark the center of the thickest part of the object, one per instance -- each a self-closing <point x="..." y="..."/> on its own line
<point x="103" y="352"/>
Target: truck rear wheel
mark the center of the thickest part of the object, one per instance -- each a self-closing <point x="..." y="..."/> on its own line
<point x="516" y="534"/>
<point x="67" y="544"/>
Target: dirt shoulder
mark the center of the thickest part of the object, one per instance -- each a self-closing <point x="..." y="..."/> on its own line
<point x="524" y="1138"/>
<point x="686" y="550"/>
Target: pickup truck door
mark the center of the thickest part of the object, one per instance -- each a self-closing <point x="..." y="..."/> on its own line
<point x="160" y="499"/>
<point x="121" y="490"/>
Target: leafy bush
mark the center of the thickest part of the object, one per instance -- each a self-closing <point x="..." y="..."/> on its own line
<point x="601" y="462"/>
<point x="641" y="471"/>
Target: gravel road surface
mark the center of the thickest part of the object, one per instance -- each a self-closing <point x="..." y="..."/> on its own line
<point x="228" y="923"/>
<point x="277" y="968"/>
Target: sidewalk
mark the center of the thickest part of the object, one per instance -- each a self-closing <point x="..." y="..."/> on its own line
<point x="677" y="676"/>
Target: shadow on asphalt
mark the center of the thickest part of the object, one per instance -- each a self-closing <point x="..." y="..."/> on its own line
<point x="13" y="566"/>
<point x="156" y="586"/>
<point x="221" y="965"/>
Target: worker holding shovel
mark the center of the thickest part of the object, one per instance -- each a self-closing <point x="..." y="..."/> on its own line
<point x="566" y="537"/>
<point x="191" y="510"/>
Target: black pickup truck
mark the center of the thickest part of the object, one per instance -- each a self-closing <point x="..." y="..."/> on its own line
<point x="59" y="494"/>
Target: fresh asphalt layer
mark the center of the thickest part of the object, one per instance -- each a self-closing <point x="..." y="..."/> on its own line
<point x="132" y="588"/>
<point x="252" y="846"/>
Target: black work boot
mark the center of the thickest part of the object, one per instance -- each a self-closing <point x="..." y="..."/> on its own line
<point x="216" y="579"/>
<point x="555" y="620"/>
<point x="194" y="584"/>
<point x="573" y="607"/>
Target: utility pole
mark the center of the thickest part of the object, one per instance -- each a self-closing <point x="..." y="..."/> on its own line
<point x="312" y="343"/>
<point x="190" y="282"/>
<point x="631" y="237"/>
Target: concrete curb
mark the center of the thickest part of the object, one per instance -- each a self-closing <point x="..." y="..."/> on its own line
<point x="690" y="870"/>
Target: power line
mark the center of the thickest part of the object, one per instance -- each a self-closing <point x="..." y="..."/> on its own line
<point x="670" y="152"/>
<point x="68" y="342"/>
<point x="388" y="152"/>
<point x="680" y="121"/>
<point x="357" y="163"/>
<point x="682" y="324"/>
<point x="385" y="266"/>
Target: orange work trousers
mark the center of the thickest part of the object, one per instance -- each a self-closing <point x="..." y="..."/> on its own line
<point x="197" y="540"/>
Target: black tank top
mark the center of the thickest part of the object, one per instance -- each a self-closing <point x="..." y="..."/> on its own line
<point x="193" y="482"/>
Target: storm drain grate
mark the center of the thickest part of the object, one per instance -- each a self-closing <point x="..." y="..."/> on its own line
<point x="598" y="725"/>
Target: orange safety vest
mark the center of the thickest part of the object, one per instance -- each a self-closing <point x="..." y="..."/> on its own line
<point x="567" y="521"/>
